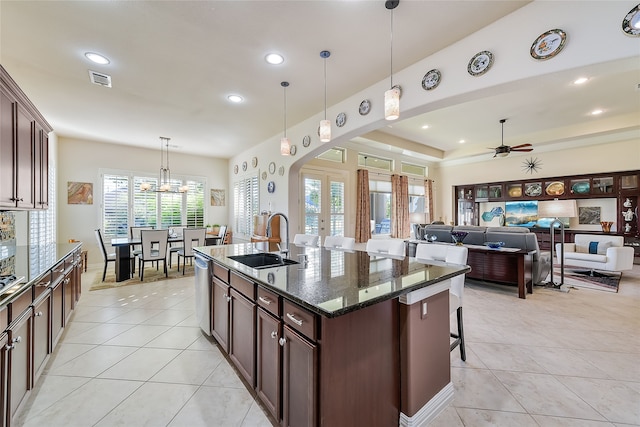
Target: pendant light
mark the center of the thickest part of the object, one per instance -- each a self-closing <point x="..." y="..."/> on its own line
<point x="285" y="144"/>
<point x="325" y="125"/>
<point x="164" y="181"/>
<point x="392" y="96"/>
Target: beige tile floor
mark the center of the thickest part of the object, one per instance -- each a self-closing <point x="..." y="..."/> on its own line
<point x="135" y="356"/>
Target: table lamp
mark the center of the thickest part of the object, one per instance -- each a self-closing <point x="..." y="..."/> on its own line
<point x="557" y="209"/>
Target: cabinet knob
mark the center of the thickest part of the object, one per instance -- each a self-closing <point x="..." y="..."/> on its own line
<point x="38" y="314"/>
<point x="282" y="341"/>
<point x="16" y="340"/>
<point x="274" y="334"/>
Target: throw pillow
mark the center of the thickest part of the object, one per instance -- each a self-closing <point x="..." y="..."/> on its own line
<point x="602" y="247"/>
<point x="593" y="247"/>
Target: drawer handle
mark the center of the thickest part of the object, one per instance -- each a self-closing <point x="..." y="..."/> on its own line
<point x="266" y="301"/>
<point x="274" y="334"/>
<point x="282" y="341"/>
<point x="38" y="314"/>
<point x="294" y="320"/>
<point x="44" y="284"/>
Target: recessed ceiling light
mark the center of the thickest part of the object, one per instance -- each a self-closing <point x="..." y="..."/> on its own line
<point x="235" y="98"/>
<point x="97" y="58"/>
<point x="274" y="58"/>
<point x="580" y="80"/>
<point x="596" y="112"/>
<point x="462" y="141"/>
<point x="425" y="127"/>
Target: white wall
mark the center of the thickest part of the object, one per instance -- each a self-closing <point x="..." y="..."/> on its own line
<point x="80" y="161"/>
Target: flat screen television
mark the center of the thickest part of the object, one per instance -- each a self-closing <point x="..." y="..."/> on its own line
<point x="525" y="214"/>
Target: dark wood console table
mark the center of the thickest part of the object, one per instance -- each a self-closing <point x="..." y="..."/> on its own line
<point x="503" y="265"/>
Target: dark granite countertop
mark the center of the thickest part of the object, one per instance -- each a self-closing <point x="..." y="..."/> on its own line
<point x="30" y="262"/>
<point x="336" y="282"/>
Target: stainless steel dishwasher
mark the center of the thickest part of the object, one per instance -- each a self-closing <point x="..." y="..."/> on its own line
<point x="203" y="293"/>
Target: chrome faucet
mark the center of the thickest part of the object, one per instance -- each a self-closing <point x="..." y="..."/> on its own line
<point x="286" y="236"/>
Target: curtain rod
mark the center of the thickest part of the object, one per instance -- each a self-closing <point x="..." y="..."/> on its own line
<point x="389" y="175"/>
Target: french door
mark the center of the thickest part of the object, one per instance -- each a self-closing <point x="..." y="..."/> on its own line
<point x="324" y="204"/>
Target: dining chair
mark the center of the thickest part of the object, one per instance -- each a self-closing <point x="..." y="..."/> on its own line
<point x="192" y="237"/>
<point x="339" y="242"/>
<point x="154" y="249"/>
<point x="107" y="257"/>
<point x="455" y="255"/>
<point x="306" y="240"/>
<point x="394" y="247"/>
<point x="134" y="233"/>
<point x="174" y="247"/>
<point x="222" y="234"/>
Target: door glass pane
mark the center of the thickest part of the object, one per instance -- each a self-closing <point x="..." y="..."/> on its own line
<point x="336" y="225"/>
<point x="312" y="205"/>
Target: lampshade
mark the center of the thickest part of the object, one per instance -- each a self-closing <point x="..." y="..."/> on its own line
<point x="325" y="131"/>
<point x="164" y="182"/>
<point x="557" y="209"/>
<point x="392" y="104"/>
<point x="285" y="146"/>
<point x="505" y="154"/>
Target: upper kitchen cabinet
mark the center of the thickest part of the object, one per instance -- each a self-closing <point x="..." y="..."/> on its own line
<point x="24" y="149"/>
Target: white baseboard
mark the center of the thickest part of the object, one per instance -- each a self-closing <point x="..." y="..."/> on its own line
<point x="430" y="410"/>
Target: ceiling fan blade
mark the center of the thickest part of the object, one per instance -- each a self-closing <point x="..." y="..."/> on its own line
<point x="521" y="145"/>
<point x="521" y="149"/>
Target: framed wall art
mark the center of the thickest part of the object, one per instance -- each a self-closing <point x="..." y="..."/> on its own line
<point x="79" y="193"/>
<point x="217" y="197"/>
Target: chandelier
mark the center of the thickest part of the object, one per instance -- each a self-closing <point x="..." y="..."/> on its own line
<point x="164" y="182"/>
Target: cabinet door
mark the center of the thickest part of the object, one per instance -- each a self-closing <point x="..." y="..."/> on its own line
<point x="269" y="362"/>
<point x="4" y="377"/>
<point x="242" y="344"/>
<point x="7" y="151"/>
<point x="68" y="293"/>
<point x="41" y="168"/>
<point x="41" y="333"/>
<point x="299" y="382"/>
<point x="220" y="317"/>
<point x="24" y="158"/>
<point x="20" y="335"/>
<point x="57" y="314"/>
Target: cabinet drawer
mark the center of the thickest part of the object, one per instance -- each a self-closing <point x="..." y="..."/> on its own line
<point x="221" y="272"/>
<point x="300" y="319"/>
<point x="41" y="285"/>
<point x="4" y="318"/>
<point x="268" y="300"/>
<point x="57" y="272"/>
<point x="20" y="304"/>
<point x="245" y="286"/>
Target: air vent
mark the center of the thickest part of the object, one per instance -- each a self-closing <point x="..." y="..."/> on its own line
<point x="100" y="79"/>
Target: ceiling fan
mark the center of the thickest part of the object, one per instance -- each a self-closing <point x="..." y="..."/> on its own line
<point x="504" y="150"/>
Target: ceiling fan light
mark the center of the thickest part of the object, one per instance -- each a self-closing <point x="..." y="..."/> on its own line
<point x="505" y="154"/>
<point x="325" y="131"/>
<point x="392" y="104"/>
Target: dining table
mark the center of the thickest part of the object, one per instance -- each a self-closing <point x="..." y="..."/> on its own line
<point x="123" y="253"/>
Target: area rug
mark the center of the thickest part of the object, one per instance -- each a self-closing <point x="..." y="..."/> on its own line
<point x="586" y="278"/>
<point x="150" y="275"/>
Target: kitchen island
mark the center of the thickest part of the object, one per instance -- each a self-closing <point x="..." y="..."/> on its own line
<point x="336" y="338"/>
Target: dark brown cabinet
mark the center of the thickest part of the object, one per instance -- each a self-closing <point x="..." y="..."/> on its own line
<point x="41" y="332"/>
<point x="220" y="316"/>
<point x="269" y="362"/>
<point x="299" y="380"/>
<point x="19" y="377"/>
<point x="24" y="151"/>
<point x="242" y="347"/>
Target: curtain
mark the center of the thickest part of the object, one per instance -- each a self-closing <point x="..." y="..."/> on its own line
<point x="428" y="200"/>
<point x="363" y="207"/>
<point x="400" y="225"/>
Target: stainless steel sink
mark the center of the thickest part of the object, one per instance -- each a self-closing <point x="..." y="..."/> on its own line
<point x="262" y="260"/>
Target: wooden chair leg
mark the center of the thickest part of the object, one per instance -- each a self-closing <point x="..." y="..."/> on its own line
<point x="463" y="353"/>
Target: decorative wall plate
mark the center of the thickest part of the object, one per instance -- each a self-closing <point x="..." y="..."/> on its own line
<point x="533" y="190"/>
<point x="556" y="188"/>
<point x="365" y="107"/>
<point x="306" y="141"/>
<point x="235" y="169"/>
<point x="341" y="119"/>
<point x="254" y="162"/>
<point x="293" y="150"/>
<point x="272" y="168"/>
<point x="631" y="22"/>
<point x="480" y="63"/>
<point x="548" y="44"/>
<point x="431" y="80"/>
<point x="271" y="187"/>
<point x="264" y="175"/>
<point x="281" y="170"/>
<point x="244" y="166"/>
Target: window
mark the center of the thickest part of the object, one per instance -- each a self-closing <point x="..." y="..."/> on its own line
<point x="42" y="231"/>
<point x="380" y="195"/>
<point x="411" y="169"/>
<point x="335" y="154"/>
<point x="125" y="205"/>
<point x="369" y="161"/>
<point x="245" y="196"/>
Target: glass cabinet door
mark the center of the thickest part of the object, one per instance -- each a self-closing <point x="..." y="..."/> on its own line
<point x="602" y="185"/>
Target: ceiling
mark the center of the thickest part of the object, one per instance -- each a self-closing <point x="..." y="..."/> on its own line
<point x="173" y="63"/>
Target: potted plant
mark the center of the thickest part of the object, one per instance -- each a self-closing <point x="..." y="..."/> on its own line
<point x="208" y="226"/>
<point x="215" y="229"/>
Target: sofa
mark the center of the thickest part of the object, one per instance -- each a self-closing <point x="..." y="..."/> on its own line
<point x="597" y="252"/>
<point x="513" y="237"/>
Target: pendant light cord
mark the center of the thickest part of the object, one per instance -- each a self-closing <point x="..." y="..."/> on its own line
<point x="325" y="88"/>
<point x="285" y="110"/>
<point x="391" y="48"/>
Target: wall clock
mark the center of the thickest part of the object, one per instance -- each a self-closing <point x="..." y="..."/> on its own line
<point x="480" y="63"/>
<point x="341" y="120"/>
<point x="271" y="187"/>
<point x="306" y="141"/>
<point x="431" y="80"/>
<point x="548" y="44"/>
